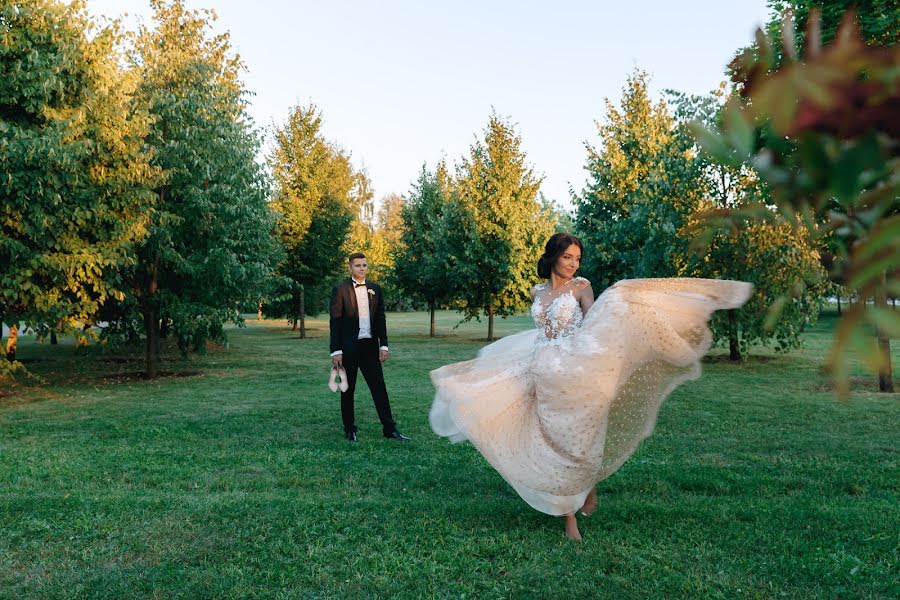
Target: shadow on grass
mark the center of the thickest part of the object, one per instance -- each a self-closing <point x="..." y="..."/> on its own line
<point x="725" y="359"/>
<point x="859" y="383"/>
<point x="142" y="376"/>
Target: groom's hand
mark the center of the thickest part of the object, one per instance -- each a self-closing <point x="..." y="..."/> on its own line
<point x="383" y="355"/>
<point x="337" y="360"/>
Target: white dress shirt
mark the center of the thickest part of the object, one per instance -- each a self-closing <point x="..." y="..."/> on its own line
<point x="362" y="307"/>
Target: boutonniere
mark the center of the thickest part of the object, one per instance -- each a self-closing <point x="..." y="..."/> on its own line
<point x="372" y="292"/>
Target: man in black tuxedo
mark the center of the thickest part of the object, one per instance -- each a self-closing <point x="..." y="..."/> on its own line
<point x="359" y="343"/>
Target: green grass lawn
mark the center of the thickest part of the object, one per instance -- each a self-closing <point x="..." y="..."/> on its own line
<point x="237" y="483"/>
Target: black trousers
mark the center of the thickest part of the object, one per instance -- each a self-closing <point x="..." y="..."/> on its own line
<point x="364" y="357"/>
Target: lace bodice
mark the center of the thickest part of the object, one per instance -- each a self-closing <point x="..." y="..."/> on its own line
<point x="558" y="313"/>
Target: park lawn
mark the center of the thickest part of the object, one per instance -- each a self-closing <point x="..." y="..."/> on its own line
<point x="237" y="483"/>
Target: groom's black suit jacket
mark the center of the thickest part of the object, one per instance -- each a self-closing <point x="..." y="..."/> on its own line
<point x="345" y="316"/>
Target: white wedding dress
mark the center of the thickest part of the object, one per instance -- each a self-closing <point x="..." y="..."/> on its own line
<point x="558" y="408"/>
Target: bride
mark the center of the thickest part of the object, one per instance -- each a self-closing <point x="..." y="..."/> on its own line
<point x="559" y="408"/>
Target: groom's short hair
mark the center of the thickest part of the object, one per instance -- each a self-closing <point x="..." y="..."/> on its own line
<point x="354" y="256"/>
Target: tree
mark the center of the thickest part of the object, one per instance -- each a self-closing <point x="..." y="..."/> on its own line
<point x="420" y="271"/>
<point x="365" y="235"/>
<point x="315" y="187"/>
<point x="76" y="176"/>
<point x="390" y="219"/>
<point x="781" y="260"/>
<point x="209" y="250"/>
<point x="387" y="232"/>
<point x="642" y="185"/>
<point x="494" y="228"/>
<point x="822" y="133"/>
<point x="877" y="19"/>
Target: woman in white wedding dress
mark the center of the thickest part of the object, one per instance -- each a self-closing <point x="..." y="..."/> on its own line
<point x="558" y="408"/>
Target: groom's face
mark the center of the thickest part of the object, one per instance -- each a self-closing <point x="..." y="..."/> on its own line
<point x="358" y="269"/>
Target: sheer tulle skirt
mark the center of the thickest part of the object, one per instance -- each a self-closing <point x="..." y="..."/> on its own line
<point x="555" y="418"/>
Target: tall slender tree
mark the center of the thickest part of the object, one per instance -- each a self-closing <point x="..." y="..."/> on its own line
<point x="494" y="227"/>
<point x="420" y="271"/>
<point x="315" y="187"/>
<point x="642" y="185"/>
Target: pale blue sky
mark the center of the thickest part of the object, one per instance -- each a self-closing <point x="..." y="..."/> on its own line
<point x="402" y="82"/>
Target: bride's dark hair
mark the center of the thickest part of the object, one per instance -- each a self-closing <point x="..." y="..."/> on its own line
<point x="556" y="245"/>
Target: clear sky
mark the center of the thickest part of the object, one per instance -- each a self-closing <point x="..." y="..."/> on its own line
<point x="409" y="81"/>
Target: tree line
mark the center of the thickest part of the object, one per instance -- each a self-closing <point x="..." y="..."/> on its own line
<point x="133" y="194"/>
<point x="131" y="190"/>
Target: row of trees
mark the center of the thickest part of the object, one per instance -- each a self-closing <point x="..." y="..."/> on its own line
<point x="469" y="236"/>
<point x="469" y="239"/>
<point x="131" y="190"/>
<point x="133" y="195"/>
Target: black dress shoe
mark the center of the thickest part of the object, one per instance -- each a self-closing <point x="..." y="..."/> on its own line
<point x="396" y="435"/>
<point x="351" y="436"/>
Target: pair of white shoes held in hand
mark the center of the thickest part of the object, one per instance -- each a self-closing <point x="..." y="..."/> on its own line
<point x="333" y="384"/>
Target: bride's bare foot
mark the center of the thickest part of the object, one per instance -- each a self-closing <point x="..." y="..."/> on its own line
<point x="590" y="504"/>
<point x="572" y="528"/>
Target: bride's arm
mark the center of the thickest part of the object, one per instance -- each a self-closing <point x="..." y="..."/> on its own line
<point x="586" y="298"/>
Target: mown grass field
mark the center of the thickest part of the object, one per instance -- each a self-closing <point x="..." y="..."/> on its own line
<point x="237" y="483"/>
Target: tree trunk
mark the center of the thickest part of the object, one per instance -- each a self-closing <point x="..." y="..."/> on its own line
<point x="295" y="324"/>
<point x="432" y="329"/>
<point x="886" y="373"/>
<point x="734" y="349"/>
<point x="164" y="327"/>
<point x="302" y="314"/>
<point x="53" y="340"/>
<point x="151" y="330"/>
<point x="839" y="304"/>
<point x="259" y="311"/>
<point x="151" y="309"/>
<point x="12" y="342"/>
<point x="151" y="323"/>
<point x="491" y="323"/>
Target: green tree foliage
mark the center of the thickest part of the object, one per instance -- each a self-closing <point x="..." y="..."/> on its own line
<point x="780" y="260"/>
<point x="389" y="223"/>
<point x="366" y="233"/>
<point x="877" y="19"/>
<point x="315" y="200"/>
<point x="494" y="227"/>
<point x="782" y="263"/>
<point x="74" y="175"/>
<point x="642" y="184"/>
<point x="822" y="133"/>
<point x="420" y="272"/>
<point x="387" y="231"/>
<point x="209" y="250"/>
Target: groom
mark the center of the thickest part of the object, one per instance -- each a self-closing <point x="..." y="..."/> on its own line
<point x="359" y="343"/>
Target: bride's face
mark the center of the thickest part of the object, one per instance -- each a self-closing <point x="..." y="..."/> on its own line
<point x="568" y="262"/>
